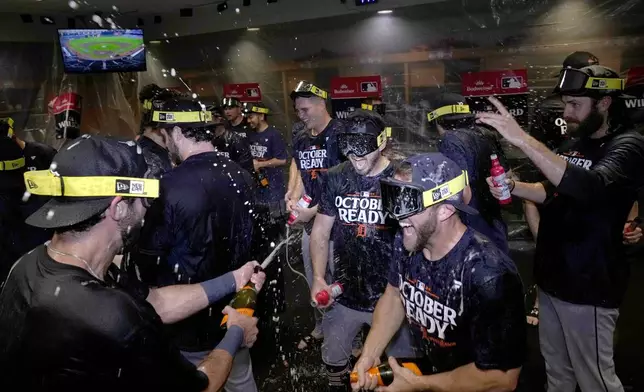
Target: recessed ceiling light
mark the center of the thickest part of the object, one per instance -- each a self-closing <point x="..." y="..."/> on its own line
<point x="385" y="12"/>
<point x="253" y="29"/>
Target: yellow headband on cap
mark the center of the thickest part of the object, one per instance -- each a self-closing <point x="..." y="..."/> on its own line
<point x="605" y="84"/>
<point x="445" y="110"/>
<point x="12" y="164"/>
<point x="182" y="117"/>
<point x="44" y="182"/>
<point x="446" y="190"/>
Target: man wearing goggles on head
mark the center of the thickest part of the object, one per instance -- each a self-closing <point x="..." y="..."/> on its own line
<point x="580" y="263"/>
<point x="315" y="150"/>
<point x="70" y="320"/>
<point x="362" y="245"/>
<point x="200" y="228"/>
<point x="233" y="110"/>
<point x="230" y="144"/>
<point x="154" y="141"/>
<point x="461" y="295"/>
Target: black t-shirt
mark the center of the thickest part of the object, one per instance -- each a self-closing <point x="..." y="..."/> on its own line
<point x="314" y="155"/>
<point x="157" y="157"/>
<point x="580" y="256"/>
<point x="466" y="307"/>
<point x="63" y="330"/>
<point x="38" y="156"/>
<point x="242" y="129"/>
<point x="235" y="147"/>
<point x="470" y="149"/>
<point x="364" y="236"/>
<point x="201" y="227"/>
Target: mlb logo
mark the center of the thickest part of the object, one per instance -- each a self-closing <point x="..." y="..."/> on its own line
<point x="369" y="87"/>
<point x="252" y="92"/>
<point x="512" y="82"/>
<point x="599" y="84"/>
<point x="365" y="194"/>
<point x="421" y="286"/>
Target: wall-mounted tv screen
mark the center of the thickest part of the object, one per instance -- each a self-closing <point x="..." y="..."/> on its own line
<point x="93" y="51"/>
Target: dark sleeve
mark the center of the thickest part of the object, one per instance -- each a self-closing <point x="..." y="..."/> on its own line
<point x="158" y="229"/>
<point x="244" y="156"/>
<point x="48" y="156"/>
<point x="158" y="365"/>
<point x="278" y="146"/>
<point x="328" y="183"/>
<point x="620" y="170"/>
<point x="393" y="276"/>
<point x="497" y="325"/>
<point x="453" y="148"/>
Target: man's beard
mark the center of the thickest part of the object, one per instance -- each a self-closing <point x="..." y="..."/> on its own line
<point x="590" y="124"/>
<point x="174" y="153"/>
<point x="425" y="232"/>
<point x="130" y="234"/>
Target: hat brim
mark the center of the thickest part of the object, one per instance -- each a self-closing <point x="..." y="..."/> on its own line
<point x="67" y="213"/>
<point x="463" y="207"/>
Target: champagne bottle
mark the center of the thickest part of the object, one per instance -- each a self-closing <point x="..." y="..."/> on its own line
<point x="262" y="178"/>
<point x="385" y="374"/>
<point x="244" y="302"/>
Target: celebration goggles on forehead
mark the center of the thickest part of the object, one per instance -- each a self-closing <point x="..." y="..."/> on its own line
<point x="362" y="142"/>
<point x="403" y="199"/>
<point x="249" y="108"/>
<point x="575" y="82"/>
<point x="46" y="183"/>
<point x="202" y="116"/>
<point x="304" y="88"/>
<point x="378" y="108"/>
<point x="450" y="109"/>
<point x="230" y="102"/>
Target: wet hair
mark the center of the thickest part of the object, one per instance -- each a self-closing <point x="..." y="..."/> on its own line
<point x="404" y="171"/>
<point x="87" y="224"/>
<point x="364" y="115"/>
<point x="197" y="134"/>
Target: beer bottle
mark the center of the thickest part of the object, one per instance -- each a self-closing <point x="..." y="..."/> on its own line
<point x="244" y="302"/>
<point x="385" y="374"/>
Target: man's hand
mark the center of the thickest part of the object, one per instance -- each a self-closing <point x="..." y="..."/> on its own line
<point x="497" y="191"/>
<point x="257" y="164"/>
<point x="503" y="122"/>
<point x="289" y="203"/>
<point x="246" y="273"/>
<point x="304" y="214"/>
<point x="632" y="236"/>
<point x="404" y="379"/>
<point x="248" y="324"/>
<point x="365" y="380"/>
<point x="258" y="278"/>
<point x="319" y="284"/>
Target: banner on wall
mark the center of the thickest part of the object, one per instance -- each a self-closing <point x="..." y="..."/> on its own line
<point x="66" y="109"/>
<point x="510" y="87"/>
<point x="635" y="92"/>
<point x="245" y="92"/>
<point x="350" y="92"/>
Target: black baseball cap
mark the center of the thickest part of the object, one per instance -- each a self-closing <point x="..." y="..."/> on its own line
<point x="230" y="102"/>
<point x="255" y="107"/>
<point x="88" y="156"/>
<point x="450" y="106"/>
<point x="182" y="111"/>
<point x="306" y="89"/>
<point x="578" y="60"/>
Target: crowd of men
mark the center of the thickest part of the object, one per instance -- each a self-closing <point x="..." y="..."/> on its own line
<point x="120" y="257"/>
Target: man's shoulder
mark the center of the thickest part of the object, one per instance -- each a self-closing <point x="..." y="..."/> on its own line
<point x="337" y="125"/>
<point x="485" y="261"/>
<point x="630" y="138"/>
<point x="341" y="169"/>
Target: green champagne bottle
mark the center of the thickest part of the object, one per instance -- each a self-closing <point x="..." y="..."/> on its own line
<point x="244" y="302"/>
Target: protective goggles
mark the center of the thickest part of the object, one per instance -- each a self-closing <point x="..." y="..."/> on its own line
<point x="307" y="88"/>
<point x="379" y="108"/>
<point x="403" y="199"/>
<point x="578" y="83"/>
<point x="248" y="109"/>
<point x="6" y="127"/>
<point x="230" y="102"/>
<point x="182" y="117"/>
<point x="361" y="144"/>
<point x="450" y="109"/>
<point x="46" y="183"/>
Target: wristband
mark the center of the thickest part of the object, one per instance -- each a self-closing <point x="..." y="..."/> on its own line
<point x="512" y="185"/>
<point x="219" y="287"/>
<point x="232" y="341"/>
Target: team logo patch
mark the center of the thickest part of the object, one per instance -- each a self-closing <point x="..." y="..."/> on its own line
<point x="599" y="83"/>
<point x="130" y="187"/>
<point x="166" y="116"/>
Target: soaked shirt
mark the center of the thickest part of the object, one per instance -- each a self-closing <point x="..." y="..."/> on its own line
<point x="236" y="148"/>
<point x="156" y="157"/>
<point x="264" y="146"/>
<point x="200" y="228"/>
<point x="466" y="307"/>
<point x="38" y="156"/>
<point x="63" y="330"/>
<point x="314" y="156"/>
<point x="470" y="149"/>
<point x="580" y="257"/>
<point x="364" y="235"/>
<point x="242" y="129"/>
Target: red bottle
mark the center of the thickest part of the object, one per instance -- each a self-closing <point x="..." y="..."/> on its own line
<point x="304" y="202"/>
<point x="498" y="177"/>
<point x="324" y="296"/>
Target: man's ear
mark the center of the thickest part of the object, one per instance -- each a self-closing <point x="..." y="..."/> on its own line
<point x="445" y="211"/>
<point x="117" y="209"/>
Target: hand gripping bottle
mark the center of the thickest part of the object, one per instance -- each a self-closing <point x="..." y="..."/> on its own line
<point x="385" y="374"/>
<point x="324" y="296"/>
<point x="304" y="202"/>
<point x="498" y="177"/>
<point x="244" y="302"/>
